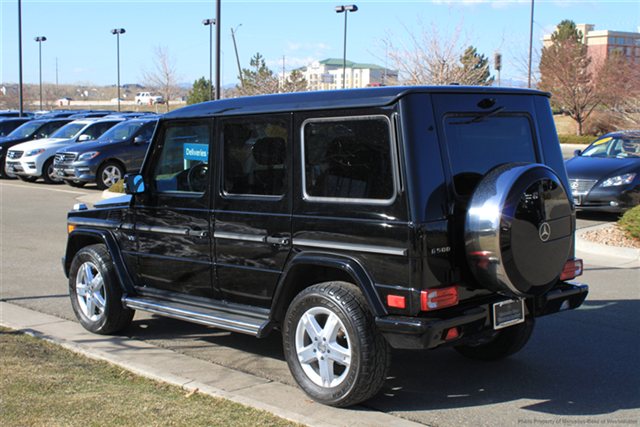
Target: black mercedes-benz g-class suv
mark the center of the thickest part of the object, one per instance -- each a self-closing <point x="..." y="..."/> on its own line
<point x="352" y="221"/>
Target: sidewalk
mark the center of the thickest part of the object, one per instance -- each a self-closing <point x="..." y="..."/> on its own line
<point x="611" y="256"/>
<point x="192" y="374"/>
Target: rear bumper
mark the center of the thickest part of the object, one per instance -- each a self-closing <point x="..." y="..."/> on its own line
<point x="426" y="333"/>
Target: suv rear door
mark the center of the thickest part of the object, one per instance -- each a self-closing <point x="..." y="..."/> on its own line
<point x="253" y="206"/>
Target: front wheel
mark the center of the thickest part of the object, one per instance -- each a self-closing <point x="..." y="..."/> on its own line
<point x="332" y="346"/>
<point x="108" y="174"/>
<point x="27" y="178"/>
<point x="504" y="344"/>
<point x="95" y="292"/>
<point x="49" y="173"/>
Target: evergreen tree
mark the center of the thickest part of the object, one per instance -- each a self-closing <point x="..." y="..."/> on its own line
<point x="475" y="68"/>
<point x="201" y="91"/>
<point x="259" y="79"/>
<point x="295" y="82"/>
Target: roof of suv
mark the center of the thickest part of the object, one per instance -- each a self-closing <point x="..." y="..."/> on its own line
<point x="331" y="99"/>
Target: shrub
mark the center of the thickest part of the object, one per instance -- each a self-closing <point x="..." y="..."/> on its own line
<point x="576" y="139"/>
<point x="630" y="223"/>
<point x="118" y="187"/>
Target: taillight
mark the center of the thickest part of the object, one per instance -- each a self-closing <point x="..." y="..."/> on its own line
<point x="435" y="299"/>
<point x="572" y="269"/>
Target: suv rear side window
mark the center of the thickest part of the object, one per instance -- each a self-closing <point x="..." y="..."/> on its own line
<point x="348" y="159"/>
<point x="477" y="144"/>
<point x="255" y="152"/>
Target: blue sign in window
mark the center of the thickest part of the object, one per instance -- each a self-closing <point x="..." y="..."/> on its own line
<point x="196" y="152"/>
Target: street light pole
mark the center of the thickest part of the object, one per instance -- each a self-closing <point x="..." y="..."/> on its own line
<point x="210" y="23"/>
<point x="218" y="24"/>
<point x="117" y="32"/>
<point x="530" y="46"/>
<point x="40" y="39"/>
<point x="21" y="101"/>
<point x="346" y="9"/>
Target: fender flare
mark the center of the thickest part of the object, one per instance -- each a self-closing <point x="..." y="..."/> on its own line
<point x="80" y="238"/>
<point x="347" y="265"/>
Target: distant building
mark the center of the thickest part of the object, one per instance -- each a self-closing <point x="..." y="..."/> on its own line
<point x="327" y="75"/>
<point x="603" y="43"/>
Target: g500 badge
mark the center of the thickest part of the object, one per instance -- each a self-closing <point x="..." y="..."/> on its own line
<point x="196" y="152"/>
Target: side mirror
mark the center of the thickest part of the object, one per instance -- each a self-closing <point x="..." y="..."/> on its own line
<point x="133" y="184"/>
<point x="138" y="140"/>
<point x="83" y="138"/>
<point x="577" y="153"/>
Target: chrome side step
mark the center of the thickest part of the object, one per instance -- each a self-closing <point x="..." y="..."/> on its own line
<point x="247" y="324"/>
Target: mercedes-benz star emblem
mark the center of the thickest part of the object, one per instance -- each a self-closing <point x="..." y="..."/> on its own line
<point x="544" y="232"/>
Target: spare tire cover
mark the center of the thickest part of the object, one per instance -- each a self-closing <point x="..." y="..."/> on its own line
<point x="519" y="229"/>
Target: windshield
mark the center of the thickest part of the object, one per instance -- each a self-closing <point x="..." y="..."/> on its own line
<point x="613" y="147"/>
<point x="68" y="131"/>
<point x="25" y="130"/>
<point x="122" y="131"/>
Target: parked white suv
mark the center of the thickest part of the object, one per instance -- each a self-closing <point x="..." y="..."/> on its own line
<point x="34" y="159"/>
<point x="147" y="98"/>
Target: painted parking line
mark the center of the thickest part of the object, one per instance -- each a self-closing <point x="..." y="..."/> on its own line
<point x="44" y="188"/>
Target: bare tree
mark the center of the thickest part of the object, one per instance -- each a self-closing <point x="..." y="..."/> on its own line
<point x="164" y="76"/>
<point x="619" y="80"/>
<point x="566" y="71"/>
<point x="434" y="59"/>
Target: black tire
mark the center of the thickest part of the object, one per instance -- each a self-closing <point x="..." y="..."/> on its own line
<point x="75" y="184"/>
<point x="354" y="339"/>
<point x="101" y="312"/>
<point x="3" y="172"/>
<point x="48" y="173"/>
<point x="505" y="343"/>
<point x="107" y="172"/>
<point x="27" y="178"/>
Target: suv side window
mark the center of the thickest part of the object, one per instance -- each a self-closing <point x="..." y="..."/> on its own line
<point x="147" y="131"/>
<point x="348" y="159"/>
<point x="254" y="156"/>
<point x="182" y="165"/>
<point x="94" y="131"/>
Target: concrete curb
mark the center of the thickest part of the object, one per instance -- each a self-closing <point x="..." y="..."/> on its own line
<point x="598" y="249"/>
<point x="191" y="374"/>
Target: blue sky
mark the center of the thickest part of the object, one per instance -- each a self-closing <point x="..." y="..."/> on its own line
<point x="78" y="32"/>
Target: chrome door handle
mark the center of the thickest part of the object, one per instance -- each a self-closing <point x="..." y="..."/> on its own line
<point x="277" y="240"/>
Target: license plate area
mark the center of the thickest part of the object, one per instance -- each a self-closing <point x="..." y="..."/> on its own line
<point x="508" y="313"/>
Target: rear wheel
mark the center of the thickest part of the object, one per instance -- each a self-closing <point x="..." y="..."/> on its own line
<point x="49" y="173"/>
<point x="332" y="346"/>
<point x="504" y="343"/>
<point x="109" y="174"/>
<point x="95" y="292"/>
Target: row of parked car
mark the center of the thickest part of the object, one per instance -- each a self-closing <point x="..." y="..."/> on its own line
<point x="75" y="148"/>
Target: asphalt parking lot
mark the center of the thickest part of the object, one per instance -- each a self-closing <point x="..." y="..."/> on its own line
<point x="579" y="368"/>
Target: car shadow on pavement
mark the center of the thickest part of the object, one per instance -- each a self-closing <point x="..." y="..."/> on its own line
<point x="582" y="362"/>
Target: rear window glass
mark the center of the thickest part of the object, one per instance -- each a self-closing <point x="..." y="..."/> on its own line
<point x="477" y="144"/>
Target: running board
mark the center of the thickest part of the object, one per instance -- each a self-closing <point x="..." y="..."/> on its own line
<point x="251" y="324"/>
